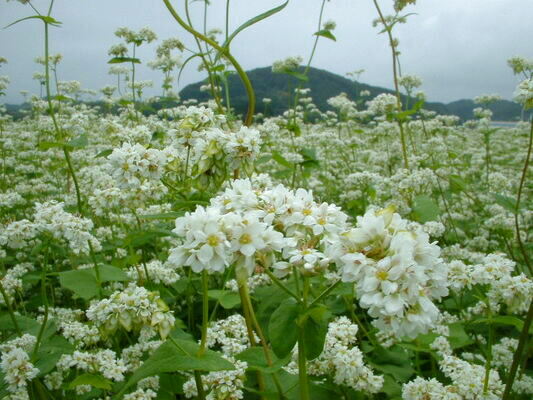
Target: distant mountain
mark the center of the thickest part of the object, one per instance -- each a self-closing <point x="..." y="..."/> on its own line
<point x="324" y="85"/>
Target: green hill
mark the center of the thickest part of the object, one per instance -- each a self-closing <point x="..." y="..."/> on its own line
<point x="323" y="85"/>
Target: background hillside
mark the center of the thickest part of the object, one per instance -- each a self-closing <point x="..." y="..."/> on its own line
<point x="323" y="85"/>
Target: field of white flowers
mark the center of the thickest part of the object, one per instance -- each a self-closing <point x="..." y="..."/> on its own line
<point x="378" y="251"/>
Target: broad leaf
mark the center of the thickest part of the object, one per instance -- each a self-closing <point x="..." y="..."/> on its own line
<point x="282" y="328"/>
<point x="96" y="381"/>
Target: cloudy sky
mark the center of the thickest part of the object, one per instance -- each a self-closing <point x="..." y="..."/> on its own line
<point x="458" y="47"/>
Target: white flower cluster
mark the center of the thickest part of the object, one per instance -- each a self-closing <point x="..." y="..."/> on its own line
<point x="398" y="273"/>
<point x="495" y="270"/>
<point x="230" y="334"/>
<point x="12" y="282"/>
<point x="16" y="366"/>
<point x="382" y="104"/>
<point x="132" y="308"/>
<point x="467" y="380"/>
<point x="157" y="271"/>
<point x="104" y="362"/>
<point x="51" y="218"/>
<point x="524" y="93"/>
<point x="221" y="385"/>
<point x="131" y="165"/>
<point x="343" y="360"/>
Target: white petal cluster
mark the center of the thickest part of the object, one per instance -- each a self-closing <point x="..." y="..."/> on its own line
<point x="16" y="366"/>
<point x="398" y="273"/>
<point x="221" y="385"/>
<point x="131" y="165"/>
<point x="132" y="308"/>
<point x="157" y="271"/>
<point x="382" y="104"/>
<point x="343" y="360"/>
<point x="51" y="218"/>
<point x="104" y="362"/>
<point x="230" y="334"/>
<point x="12" y="282"/>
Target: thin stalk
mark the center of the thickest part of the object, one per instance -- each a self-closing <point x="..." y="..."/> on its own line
<point x="245" y="296"/>
<point x="45" y="301"/>
<point x="325" y="293"/>
<point x="280" y="284"/>
<point x="302" y="360"/>
<point x="388" y="29"/>
<point x="225" y="52"/>
<point x="210" y="78"/>
<point x="10" y="309"/>
<point x="519" y="197"/>
<point x="96" y="269"/>
<point x="518" y="354"/>
<point x="308" y="66"/>
<point x="53" y="116"/>
<point x="205" y="312"/>
<point x="488" y="360"/>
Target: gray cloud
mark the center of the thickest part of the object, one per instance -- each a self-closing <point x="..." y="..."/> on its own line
<point x="458" y="47"/>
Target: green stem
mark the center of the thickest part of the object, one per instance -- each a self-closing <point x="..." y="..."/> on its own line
<point x="518" y="354"/>
<point x="278" y="283"/>
<point x="53" y="116"/>
<point x="225" y="52"/>
<point x="45" y="301"/>
<point x="10" y="308"/>
<point x="388" y="29"/>
<point x="245" y="299"/>
<point x="325" y="293"/>
<point x="205" y="312"/>
<point x="519" y="197"/>
<point x="302" y="360"/>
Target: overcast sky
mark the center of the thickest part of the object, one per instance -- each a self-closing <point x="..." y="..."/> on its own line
<point x="458" y="47"/>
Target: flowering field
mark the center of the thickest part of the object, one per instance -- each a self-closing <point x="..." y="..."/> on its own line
<point x="377" y="251"/>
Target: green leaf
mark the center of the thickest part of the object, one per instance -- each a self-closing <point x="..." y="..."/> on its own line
<point x="104" y="153"/>
<point x="177" y="355"/>
<point x="327" y="34"/>
<point x="169" y="215"/>
<point x="110" y="273"/>
<point x="255" y="358"/>
<point x="79" y="142"/>
<point x="82" y="282"/>
<point x="298" y="75"/>
<point x="120" y="60"/>
<point x="253" y="21"/>
<point x="276" y="156"/>
<point x="458" y="337"/>
<point x="226" y="298"/>
<point x="425" y="209"/>
<point x="96" y="381"/>
<point x="49" y="145"/>
<point x="282" y="328"/>
<point x="506" y="202"/>
<point x="46" y="19"/>
<point x="315" y="330"/>
<point x="502" y="320"/>
<point x="457" y="184"/>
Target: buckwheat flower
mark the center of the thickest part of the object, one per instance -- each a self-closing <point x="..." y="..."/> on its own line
<point x="288" y="64"/>
<point x="17" y="369"/>
<point x="524" y="93"/>
<point x="230" y="334"/>
<point x="343" y="360"/>
<point x="205" y="242"/>
<point x="382" y="104"/>
<point x="157" y="271"/>
<point x="223" y="385"/>
<point x="422" y="389"/>
<point x="329" y="25"/>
